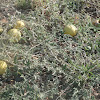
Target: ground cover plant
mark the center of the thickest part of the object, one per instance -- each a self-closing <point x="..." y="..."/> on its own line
<point x="46" y="64"/>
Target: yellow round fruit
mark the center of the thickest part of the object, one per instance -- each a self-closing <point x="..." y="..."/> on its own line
<point x="95" y="22"/>
<point x="19" y="24"/>
<point x="70" y="29"/>
<point x="1" y="30"/>
<point x="14" y="35"/>
<point x="3" y="67"/>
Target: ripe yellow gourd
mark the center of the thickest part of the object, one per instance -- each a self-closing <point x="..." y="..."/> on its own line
<point x="1" y="30"/>
<point x="70" y="29"/>
<point x="14" y="35"/>
<point x="95" y="22"/>
<point x="3" y="67"/>
<point x="19" y="24"/>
